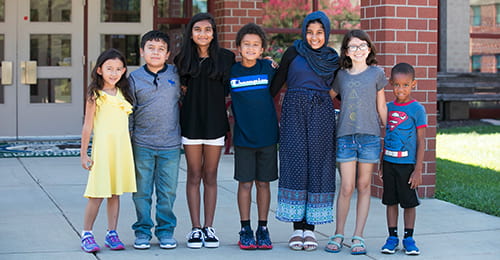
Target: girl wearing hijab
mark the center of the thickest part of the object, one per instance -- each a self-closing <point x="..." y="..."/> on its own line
<point x="307" y="152"/>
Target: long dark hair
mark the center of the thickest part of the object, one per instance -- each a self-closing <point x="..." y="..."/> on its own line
<point x="187" y="61"/>
<point x="97" y="82"/>
<point x="345" y="61"/>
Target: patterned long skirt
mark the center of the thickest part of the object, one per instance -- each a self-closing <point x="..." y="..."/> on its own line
<point x="307" y="155"/>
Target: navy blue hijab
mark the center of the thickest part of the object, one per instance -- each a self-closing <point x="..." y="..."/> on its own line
<point x="325" y="60"/>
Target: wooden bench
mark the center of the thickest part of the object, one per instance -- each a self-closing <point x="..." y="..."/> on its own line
<point x="456" y="90"/>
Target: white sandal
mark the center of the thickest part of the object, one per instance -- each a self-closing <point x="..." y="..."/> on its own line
<point x="310" y="245"/>
<point x="296" y="244"/>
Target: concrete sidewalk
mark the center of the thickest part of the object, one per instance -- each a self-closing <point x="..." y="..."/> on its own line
<point x="42" y="212"/>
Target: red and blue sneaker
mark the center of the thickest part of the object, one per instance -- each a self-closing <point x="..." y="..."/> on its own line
<point x="263" y="239"/>
<point x="247" y="241"/>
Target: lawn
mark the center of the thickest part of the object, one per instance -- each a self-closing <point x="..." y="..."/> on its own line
<point x="468" y="167"/>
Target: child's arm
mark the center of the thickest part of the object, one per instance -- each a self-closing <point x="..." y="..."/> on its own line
<point x="280" y="77"/>
<point x="88" y="125"/>
<point x="382" y="107"/>
<point x="380" y="162"/>
<point x="332" y="93"/>
<point x="416" y="175"/>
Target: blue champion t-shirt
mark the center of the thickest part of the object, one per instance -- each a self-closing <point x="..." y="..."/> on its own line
<point x="256" y="123"/>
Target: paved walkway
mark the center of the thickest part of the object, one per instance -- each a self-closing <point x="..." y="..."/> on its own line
<point x="42" y="207"/>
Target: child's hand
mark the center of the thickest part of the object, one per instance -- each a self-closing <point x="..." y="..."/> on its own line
<point x="273" y="62"/>
<point x="415" y="179"/>
<point x="184" y="90"/>
<point x="86" y="162"/>
<point x="380" y="171"/>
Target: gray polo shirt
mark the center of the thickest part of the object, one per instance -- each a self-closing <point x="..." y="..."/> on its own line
<point x="154" y="124"/>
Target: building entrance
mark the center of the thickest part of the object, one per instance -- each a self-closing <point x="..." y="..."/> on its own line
<point x="47" y="48"/>
<point x="41" y="49"/>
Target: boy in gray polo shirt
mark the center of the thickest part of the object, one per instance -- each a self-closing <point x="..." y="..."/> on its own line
<point x="156" y="140"/>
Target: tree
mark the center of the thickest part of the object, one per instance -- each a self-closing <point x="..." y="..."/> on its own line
<point x="290" y="14"/>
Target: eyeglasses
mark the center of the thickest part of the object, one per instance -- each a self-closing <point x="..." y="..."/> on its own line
<point x="361" y="47"/>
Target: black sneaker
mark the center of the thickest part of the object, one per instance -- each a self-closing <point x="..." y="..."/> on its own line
<point x="210" y="240"/>
<point x="263" y="239"/>
<point x="195" y="238"/>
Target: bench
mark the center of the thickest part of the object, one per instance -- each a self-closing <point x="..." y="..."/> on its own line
<point x="456" y="90"/>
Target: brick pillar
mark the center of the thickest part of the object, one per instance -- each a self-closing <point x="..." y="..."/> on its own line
<point x="231" y="15"/>
<point x="407" y="31"/>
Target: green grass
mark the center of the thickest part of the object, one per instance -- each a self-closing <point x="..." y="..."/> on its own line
<point x="468" y="167"/>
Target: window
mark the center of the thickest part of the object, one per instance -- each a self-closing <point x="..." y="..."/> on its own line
<point x="171" y="16"/>
<point x="476" y="63"/>
<point x="498" y="62"/>
<point x="476" y="15"/>
<point x="498" y="13"/>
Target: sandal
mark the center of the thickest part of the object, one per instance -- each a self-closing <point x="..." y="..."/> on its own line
<point x="335" y="243"/>
<point x="360" y="244"/>
<point x="296" y="240"/>
<point x="310" y="242"/>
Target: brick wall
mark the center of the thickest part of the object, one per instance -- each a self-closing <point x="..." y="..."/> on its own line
<point x="231" y="15"/>
<point x="407" y="31"/>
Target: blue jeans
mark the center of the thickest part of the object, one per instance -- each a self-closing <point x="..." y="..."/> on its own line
<point x="158" y="169"/>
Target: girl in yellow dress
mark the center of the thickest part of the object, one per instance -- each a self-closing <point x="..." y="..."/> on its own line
<point x="111" y="165"/>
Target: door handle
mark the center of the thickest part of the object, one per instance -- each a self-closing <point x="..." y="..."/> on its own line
<point x="6" y="72"/>
<point x="28" y="72"/>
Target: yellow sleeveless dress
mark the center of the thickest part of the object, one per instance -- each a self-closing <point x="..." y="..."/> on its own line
<point x="113" y="171"/>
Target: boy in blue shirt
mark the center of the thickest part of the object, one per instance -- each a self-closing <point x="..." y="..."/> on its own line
<point x="404" y="146"/>
<point x="156" y="141"/>
<point x="255" y="133"/>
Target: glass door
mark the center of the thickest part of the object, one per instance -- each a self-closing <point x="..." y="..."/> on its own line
<point x="8" y="76"/>
<point x="118" y="24"/>
<point x="47" y="78"/>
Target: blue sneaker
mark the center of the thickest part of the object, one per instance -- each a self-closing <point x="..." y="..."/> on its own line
<point x="247" y="241"/>
<point x="410" y="247"/>
<point x="113" y="241"/>
<point x="167" y="242"/>
<point x="142" y="241"/>
<point x="263" y="239"/>
<point x="88" y="243"/>
<point x="391" y="245"/>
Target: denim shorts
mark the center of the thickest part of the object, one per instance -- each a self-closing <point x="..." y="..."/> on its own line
<point x="359" y="147"/>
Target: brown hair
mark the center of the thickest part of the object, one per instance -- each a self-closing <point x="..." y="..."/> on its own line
<point x="345" y="61"/>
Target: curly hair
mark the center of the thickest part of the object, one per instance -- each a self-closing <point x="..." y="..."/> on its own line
<point x="403" y="68"/>
<point x="251" y="28"/>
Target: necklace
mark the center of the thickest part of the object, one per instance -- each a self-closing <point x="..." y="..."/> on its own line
<point x="202" y="60"/>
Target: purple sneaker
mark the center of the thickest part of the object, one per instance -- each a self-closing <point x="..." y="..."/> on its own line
<point x="88" y="243"/>
<point x="113" y="241"/>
